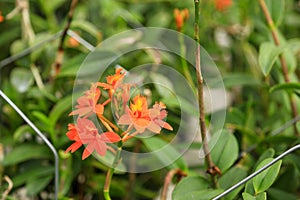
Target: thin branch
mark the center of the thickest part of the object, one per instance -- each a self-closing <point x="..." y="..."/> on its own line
<point x="9" y="188"/>
<point x="283" y="63"/>
<point x="212" y="169"/>
<point x="60" y="51"/>
<point x="168" y="180"/>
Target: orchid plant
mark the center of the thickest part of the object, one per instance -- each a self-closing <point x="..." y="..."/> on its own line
<point x="131" y="113"/>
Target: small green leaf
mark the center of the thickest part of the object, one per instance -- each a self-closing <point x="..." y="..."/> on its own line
<point x="285" y="86"/>
<point x="265" y="179"/>
<point x="26" y="152"/>
<point x="224" y="150"/>
<point x="21" y="130"/>
<point x="165" y="153"/>
<point x="261" y="196"/>
<point x="21" y="79"/>
<point x="268" y="54"/>
<point x="231" y="177"/>
<point x="269" y="153"/>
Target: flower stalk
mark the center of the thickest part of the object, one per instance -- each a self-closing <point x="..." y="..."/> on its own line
<point x="283" y="63"/>
<point x="110" y="173"/>
<point x="212" y="169"/>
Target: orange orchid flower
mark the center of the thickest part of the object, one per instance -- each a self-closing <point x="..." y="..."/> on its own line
<point x="113" y="81"/>
<point x="137" y="115"/>
<point x="87" y="133"/>
<point x="88" y="103"/>
<point x="1" y="17"/>
<point x="73" y="136"/>
<point x="222" y="5"/>
<point x="157" y="114"/>
<point x="180" y="17"/>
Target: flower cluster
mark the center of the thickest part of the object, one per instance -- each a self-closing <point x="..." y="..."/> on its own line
<point x="180" y="17"/>
<point x="134" y="115"/>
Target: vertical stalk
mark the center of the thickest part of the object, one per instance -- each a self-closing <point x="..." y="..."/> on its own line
<point x="284" y="67"/>
<point x="212" y="169"/>
<point x="110" y="173"/>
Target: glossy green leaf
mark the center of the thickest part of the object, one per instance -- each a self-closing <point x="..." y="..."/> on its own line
<point x="285" y="86"/>
<point x="224" y="150"/>
<point x="165" y="153"/>
<point x="261" y="196"/>
<point x="231" y="177"/>
<point x="21" y="79"/>
<point x="265" y="179"/>
<point x="269" y="153"/>
<point x="188" y="185"/>
<point x="26" y="152"/>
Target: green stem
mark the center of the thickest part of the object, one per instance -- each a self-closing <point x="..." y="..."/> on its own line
<point x="185" y="68"/>
<point x="110" y="173"/>
<point x="283" y="63"/>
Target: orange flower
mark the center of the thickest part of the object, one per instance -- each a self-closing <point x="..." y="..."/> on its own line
<point x="73" y="136"/>
<point x="157" y="114"/>
<point x="88" y="103"/>
<point x="87" y="133"/>
<point x="180" y="17"/>
<point x="113" y="81"/>
<point x="137" y="115"/>
<point x="222" y="5"/>
<point x="1" y="17"/>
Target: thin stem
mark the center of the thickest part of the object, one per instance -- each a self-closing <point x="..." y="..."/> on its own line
<point x="60" y="52"/>
<point x="110" y="173"/>
<point x="283" y="63"/>
<point x="185" y="68"/>
<point x="212" y="169"/>
<point x="168" y="180"/>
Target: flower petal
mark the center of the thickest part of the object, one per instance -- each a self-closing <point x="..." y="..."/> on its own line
<point x="100" y="147"/>
<point x="110" y="137"/>
<point x="124" y="120"/>
<point x="74" y="147"/>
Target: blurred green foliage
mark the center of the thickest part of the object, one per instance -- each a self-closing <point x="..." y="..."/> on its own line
<point x="237" y="39"/>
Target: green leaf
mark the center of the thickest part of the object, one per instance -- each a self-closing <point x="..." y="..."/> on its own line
<point x="231" y="177"/>
<point x="269" y="153"/>
<point x="21" y="130"/>
<point x="26" y="152"/>
<point x="239" y="79"/>
<point x="34" y="172"/>
<point x="261" y="196"/>
<point x="277" y="194"/>
<point x="268" y="54"/>
<point x="285" y="86"/>
<point x="34" y="186"/>
<point x="21" y="79"/>
<point x="276" y="9"/>
<point x="165" y="153"/>
<point x="88" y="27"/>
<point x="200" y="195"/>
<point x="224" y="150"/>
<point x="63" y="106"/>
<point x="189" y="184"/>
<point x="265" y="179"/>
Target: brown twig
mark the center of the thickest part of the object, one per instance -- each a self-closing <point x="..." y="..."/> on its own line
<point x="168" y="180"/>
<point x="284" y="67"/>
<point x="212" y="169"/>
<point x="60" y="51"/>
<point x="9" y="188"/>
